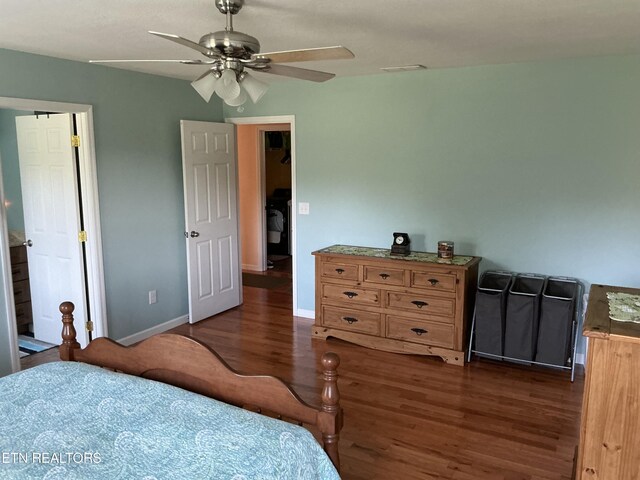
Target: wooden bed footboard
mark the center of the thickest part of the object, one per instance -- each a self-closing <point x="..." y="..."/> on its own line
<point x="187" y="363"/>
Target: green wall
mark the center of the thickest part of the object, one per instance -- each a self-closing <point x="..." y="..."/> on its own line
<point x="137" y="136"/>
<point x="11" y="167"/>
<point x="534" y="167"/>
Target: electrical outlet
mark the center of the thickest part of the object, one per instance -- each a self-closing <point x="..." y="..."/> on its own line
<point x="303" y="208"/>
<point x="153" y="298"/>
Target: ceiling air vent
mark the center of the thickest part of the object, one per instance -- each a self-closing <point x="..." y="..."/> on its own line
<point x="405" y="68"/>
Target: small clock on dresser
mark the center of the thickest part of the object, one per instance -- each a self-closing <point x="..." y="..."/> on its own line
<point x="401" y="244"/>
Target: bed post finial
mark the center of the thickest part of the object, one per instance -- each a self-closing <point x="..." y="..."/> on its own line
<point x="331" y="407"/>
<point x="69" y="342"/>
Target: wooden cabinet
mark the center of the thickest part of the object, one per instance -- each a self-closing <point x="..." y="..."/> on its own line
<point x="610" y="430"/>
<point x="416" y="304"/>
<point x="21" y="291"/>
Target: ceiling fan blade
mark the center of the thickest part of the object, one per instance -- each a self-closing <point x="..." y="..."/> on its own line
<point x="309" y="54"/>
<point x="186" y="62"/>
<point x="295" y="72"/>
<point x="187" y="43"/>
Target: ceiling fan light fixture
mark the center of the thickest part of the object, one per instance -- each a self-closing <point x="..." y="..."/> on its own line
<point x="239" y="100"/>
<point x="255" y="88"/>
<point x="205" y="86"/>
<point x="228" y="87"/>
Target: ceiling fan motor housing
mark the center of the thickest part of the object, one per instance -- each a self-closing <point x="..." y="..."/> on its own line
<point x="232" y="44"/>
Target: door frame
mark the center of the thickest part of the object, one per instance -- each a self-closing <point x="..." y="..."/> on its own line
<point x="291" y="120"/>
<point x="89" y="183"/>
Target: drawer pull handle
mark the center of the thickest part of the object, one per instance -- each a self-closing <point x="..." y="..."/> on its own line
<point x="340" y="271"/>
<point x="385" y="276"/>
<point x="419" y="331"/>
<point x="350" y="294"/>
<point x="419" y="303"/>
<point x="350" y="320"/>
<point x="433" y="281"/>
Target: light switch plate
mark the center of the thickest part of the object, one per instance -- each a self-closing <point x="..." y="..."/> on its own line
<point x="303" y="208"/>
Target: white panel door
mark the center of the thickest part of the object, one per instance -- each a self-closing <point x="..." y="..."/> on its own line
<point x="52" y="222"/>
<point x="211" y="217"/>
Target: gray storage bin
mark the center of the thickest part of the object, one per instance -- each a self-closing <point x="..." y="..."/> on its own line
<point x="557" y="310"/>
<point x="521" y="324"/>
<point x="491" y="310"/>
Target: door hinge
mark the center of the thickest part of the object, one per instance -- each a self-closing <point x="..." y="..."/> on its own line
<point x="75" y="140"/>
<point x="82" y="236"/>
<point x="89" y="326"/>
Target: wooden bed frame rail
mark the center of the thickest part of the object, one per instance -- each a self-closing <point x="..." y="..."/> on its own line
<point x="187" y="363"/>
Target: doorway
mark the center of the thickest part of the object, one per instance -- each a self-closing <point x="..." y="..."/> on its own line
<point x="85" y="172"/>
<point x="266" y="174"/>
<point x="276" y="157"/>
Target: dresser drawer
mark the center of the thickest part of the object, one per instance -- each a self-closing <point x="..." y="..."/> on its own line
<point x="420" y="331"/>
<point x="346" y="293"/>
<point x="436" y="281"/>
<point x="353" y="320"/>
<point x="383" y="276"/>
<point x="19" y="271"/>
<point x="21" y="292"/>
<point x="24" y="314"/>
<point x="18" y="254"/>
<point x="345" y="271"/>
<point x="421" y="303"/>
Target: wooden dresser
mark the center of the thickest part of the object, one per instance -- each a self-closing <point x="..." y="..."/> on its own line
<point x="610" y="430"/>
<point x="416" y="304"/>
<point x="21" y="291"/>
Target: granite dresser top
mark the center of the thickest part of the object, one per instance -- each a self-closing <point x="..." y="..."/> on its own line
<point x="422" y="257"/>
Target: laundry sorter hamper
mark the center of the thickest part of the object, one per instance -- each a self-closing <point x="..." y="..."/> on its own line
<point x="490" y="313"/>
<point x="521" y="323"/>
<point x="556" y="328"/>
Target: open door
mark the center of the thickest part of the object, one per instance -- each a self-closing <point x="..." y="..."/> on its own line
<point x="209" y="168"/>
<point x="52" y="222"/>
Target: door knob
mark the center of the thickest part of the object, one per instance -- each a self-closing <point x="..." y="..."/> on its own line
<point x="194" y="234"/>
<point x="28" y="243"/>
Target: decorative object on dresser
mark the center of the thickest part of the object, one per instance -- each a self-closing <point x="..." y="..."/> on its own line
<point x="610" y="429"/>
<point x="445" y="249"/>
<point x="21" y="290"/>
<point x="416" y="304"/>
<point x="401" y="244"/>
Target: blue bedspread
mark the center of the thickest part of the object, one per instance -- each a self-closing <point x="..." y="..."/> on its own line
<point x="69" y="420"/>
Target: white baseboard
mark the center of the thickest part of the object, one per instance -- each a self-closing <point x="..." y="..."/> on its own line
<point x="305" y="313"/>
<point x="149" y="332"/>
<point x="580" y="358"/>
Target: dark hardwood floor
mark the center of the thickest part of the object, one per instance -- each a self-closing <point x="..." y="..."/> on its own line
<point x="408" y="417"/>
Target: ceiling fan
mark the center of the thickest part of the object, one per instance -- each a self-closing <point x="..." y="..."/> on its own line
<point x="228" y="53"/>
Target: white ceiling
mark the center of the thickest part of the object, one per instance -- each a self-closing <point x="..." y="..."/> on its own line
<point x="435" y="33"/>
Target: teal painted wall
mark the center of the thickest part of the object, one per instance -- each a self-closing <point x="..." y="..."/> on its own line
<point x="534" y="167"/>
<point x="11" y="167"/>
<point x="137" y="135"/>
